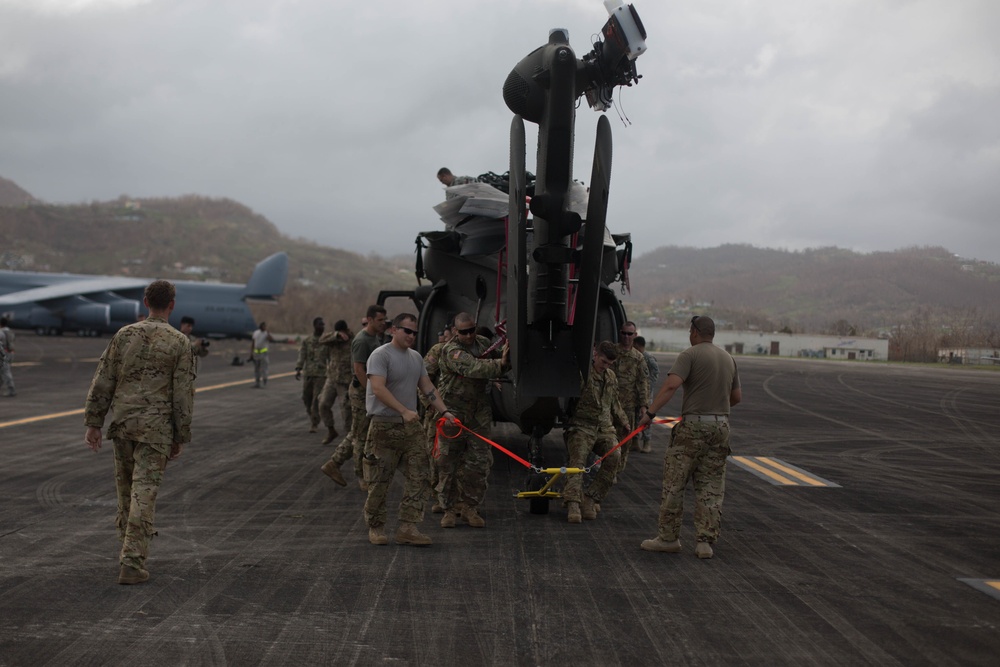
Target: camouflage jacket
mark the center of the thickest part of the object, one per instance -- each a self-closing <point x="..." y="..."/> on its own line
<point x="146" y="378"/>
<point x="633" y="379"/>
<point x="338" y="365"/>
<point x="654" y="371"/>
<point x="465" y="377"/>
<point x="599" y="408"/>
<point x="432" y="361"/>
<point x="312" y="358"/>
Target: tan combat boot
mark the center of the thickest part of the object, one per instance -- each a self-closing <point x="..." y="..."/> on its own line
<point x="331" y="435"/>
<point x="656" y="544"/>
<point x="587" y="508"/>
<point x="471" y="517"/>
<point x="376" y="535"/>
<point x="408" y="534"/>
<point x="573" y="512"/>
<point x="132" y="575"/>
<point x="703" y="550"/>
<point x="448" y="520"/>
<point x="332" y="470"/>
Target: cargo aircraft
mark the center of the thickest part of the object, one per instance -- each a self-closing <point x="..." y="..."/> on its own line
<point x="53" y="303"/>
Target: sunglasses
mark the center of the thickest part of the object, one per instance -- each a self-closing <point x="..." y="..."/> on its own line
<point x="408" y="330"/>
<point x="626" y="333"/>
<point x="466" y="332"/>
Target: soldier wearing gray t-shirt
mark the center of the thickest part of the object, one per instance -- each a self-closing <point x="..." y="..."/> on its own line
<point x="395" y="374"/>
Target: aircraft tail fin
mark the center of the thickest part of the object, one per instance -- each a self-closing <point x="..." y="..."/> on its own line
<point x="269" y="277"/>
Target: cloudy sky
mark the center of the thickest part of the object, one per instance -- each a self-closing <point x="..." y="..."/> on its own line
<point x="865" y="124"/>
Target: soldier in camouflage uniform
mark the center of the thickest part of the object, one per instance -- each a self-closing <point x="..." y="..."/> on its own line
<point x="312" y="364"/>
<point x="654" y="374"/>
<point x="592" y="429"/>
<point x="698" y="445"/>
<point x="338" y="378"/>
<point x="146" y="378"/>
<point x="433" y="367"/>
<point x="199" y="346"/>
<point x="354" y="446"/>
<point x="395" y="373"/>
<point x="464" y="462"/>
<point x="633" y="385"/>
<point x="6" y="358"/>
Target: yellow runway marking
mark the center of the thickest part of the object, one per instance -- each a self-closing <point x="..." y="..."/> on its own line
<point x="70" y="413"/>
<point x="989" y="586"/>
<point x="794" y="473"/>
<point x="780" y="472"/>
<point x="762" y="470"/>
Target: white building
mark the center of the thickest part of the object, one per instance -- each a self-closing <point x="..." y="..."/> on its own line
<point x="776" y="344"/>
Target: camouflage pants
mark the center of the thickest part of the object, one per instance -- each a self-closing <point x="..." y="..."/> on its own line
<point x="631" y="411"/>
<point x="430" y="429"/>
<point x="138" y="473"/>
<point x="312" y="389"/>
<point x="260" y="364"/>
<point x="397" y="445"/>
<point x="326" y="400"/>
<point x="579" y="443"/>
<point x="463" y="467"/>
<point x="353" y="446"/>
<point x="6" y="378"/>
<point x="698" y="452"/>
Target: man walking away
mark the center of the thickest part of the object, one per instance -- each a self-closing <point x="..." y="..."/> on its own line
<point x="146" y="379"/>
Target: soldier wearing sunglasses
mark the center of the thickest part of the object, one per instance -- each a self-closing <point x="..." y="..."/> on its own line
<point x="464" y="463"/>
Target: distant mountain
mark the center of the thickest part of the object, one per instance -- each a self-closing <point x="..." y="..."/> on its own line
<point x="826" y="290"/>
<point x="11" y="194"/>
<point x="819" y="290"/>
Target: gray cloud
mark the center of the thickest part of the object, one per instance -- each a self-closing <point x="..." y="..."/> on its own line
<point x="784" y="124"/>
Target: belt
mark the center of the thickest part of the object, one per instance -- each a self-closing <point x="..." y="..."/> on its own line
<point x="387" y="419"/>
<point x="705" y="418"/>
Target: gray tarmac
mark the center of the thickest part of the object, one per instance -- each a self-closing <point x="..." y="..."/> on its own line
<point x="884" y="551"/>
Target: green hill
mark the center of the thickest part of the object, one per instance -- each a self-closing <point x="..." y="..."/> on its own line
<point x="195" y="238"/>
<point x="822" y="290"/>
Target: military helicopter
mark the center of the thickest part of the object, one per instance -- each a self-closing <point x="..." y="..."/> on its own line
<point x="546" y="281"/>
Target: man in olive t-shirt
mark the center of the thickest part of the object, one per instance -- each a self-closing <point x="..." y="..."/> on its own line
<point x="699" y="445"/>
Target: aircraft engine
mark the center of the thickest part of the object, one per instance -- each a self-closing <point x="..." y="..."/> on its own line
<point x="124" y="310"/>
<point x="96" y="316"/>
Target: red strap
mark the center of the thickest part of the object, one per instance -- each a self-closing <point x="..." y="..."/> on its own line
<point x="665" y="420"/>
<point x="461" y="427"/>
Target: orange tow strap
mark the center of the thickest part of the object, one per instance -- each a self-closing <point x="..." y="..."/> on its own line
<point x="439" y="433"/>
<point x="462" y="427"/>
